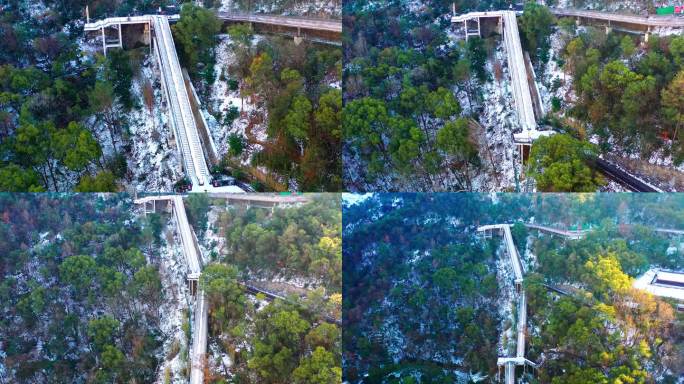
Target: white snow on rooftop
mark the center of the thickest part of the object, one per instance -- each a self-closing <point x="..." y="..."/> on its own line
<point x="211" y="188"/>
<point x="644" y="282"/>
<point x="670" y="276"/>
<point x="351" y="198"/>
<point x="529" y="136"/>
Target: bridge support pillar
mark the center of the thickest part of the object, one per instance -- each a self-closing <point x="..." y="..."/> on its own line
<point x="467" y="31"/>
<point x="120" y="38"/>
<point x="648" y="34"/>
<point x="147" y="205"/>
<point x="193" y="283"/>
<point x="524" y="150"/>
<point x="298" y="38"/>
<point x="104" y="42"/>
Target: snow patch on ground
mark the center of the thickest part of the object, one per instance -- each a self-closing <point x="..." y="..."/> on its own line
<point x="498" y="118"/>
<point x="219" y="361"/>
<point x="154" y="161"/>
<point x="222" y="99"/>
<point x="214" y="240"/>
<point x="553" y="73"/>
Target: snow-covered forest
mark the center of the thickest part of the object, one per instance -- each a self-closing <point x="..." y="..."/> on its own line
<point x="73" y="119"/>
<point x="294" y="252"/>
<point x="81" y="289"/>
<point x="428" y="299"/>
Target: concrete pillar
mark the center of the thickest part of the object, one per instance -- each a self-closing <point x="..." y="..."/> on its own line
<point x="609" y="29"/>
<point x="104" y="42"/>
<point x="478" y="28"/>
<point x="298" y="40"/>
<point x="465" y="26"/>
<point x="120" y="38"/>
<point x="578" y="22"/>
<point x="147" y="36"/>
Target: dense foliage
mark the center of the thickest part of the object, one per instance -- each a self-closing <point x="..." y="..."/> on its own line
<point x="536" y="25"/>
<point x="403" y="127"/>
<point x="561" y="163"/>
<point x="290" y="84"/>
<point x="291" y="340"/>
<point x="583" y="335"/>
<point x="421" y="297"/>
<point x="627" y="94"/>
<point x="289" y="343"/>
<point x="50" y="92"/>
<point x="195" y="36"/>
<point x="78" y="298"/>
<point x="302" y="241"/>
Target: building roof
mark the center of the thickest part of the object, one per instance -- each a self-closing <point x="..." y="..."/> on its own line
<point x="647" y="282"/>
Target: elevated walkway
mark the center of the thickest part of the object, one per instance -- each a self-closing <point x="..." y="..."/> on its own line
<point x="573" y="235"/>
<point x="284" y="21"/>
<point x="192" y="256"/>
<point x="520" y="79"/>
<point x="181" y="117"/>
<point x="509" y="363"/>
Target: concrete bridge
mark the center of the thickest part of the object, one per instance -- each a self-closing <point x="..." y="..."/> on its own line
<point x="301" y="28"/>
<point x="570" y="234"/>
<point x="627" y="23"/>
<point x="261" y="200"/>
<point x="155" y="30"/>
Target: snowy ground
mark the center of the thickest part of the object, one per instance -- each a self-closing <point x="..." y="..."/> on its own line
<point x="154" y="158"/>
<point x="552" y="72"/>
<point x="149" y="145"/>
<point x="498" y="118"/>
<point x="222" y="99"/>
<point x="214" y="240"/>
